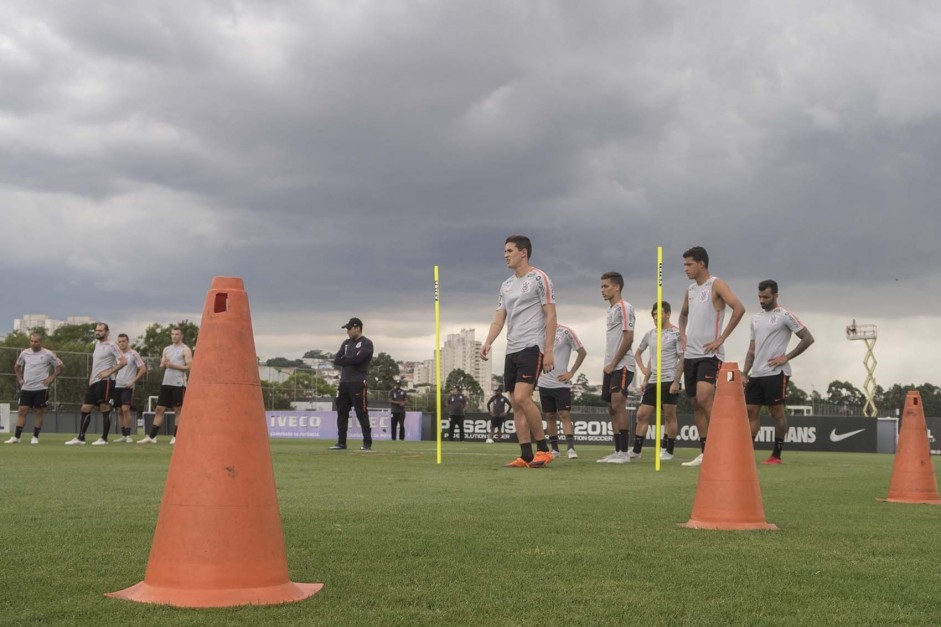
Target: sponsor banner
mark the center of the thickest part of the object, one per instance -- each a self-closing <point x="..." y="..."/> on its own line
<point x="934" y="435"/>
<point x="805" y="433"/>
<point x="322" y="425"/>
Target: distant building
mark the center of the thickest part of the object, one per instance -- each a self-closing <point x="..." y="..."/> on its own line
<point x="32" y="321"/>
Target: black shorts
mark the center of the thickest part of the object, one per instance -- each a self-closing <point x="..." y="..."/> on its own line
<point x="33" y="398"/>
<point x="769" y="391"/>
<point x="171" y="396"/>
<point x="555" y="399"/>
<point x="123" y="396"/>
<point x="617" y="381"/>
<point x="702" y="369"/>
<point x="523" y="366"/>
<point x="99" y="392"/>
<point x="650" y="394"/>
<point x="496" y="422"/>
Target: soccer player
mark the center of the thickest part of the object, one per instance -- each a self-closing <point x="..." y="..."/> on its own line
<point x="107" y="360"/>
<point x="767" y="368"/>
<point x="527" y="308"/>
<point x="127" y="378"/>
<point x="497" y="405"/>
<point x="555" y="389"/>
<point x="353" y="358"/>
<point x="456" y="403"/>
<point x="672" y="357"/>
<point x="702" y="336"/>
<point x="176" y="360"/>
<point x="619" y="364"/>
<point x="36" y="368"/>
<point x="398" y="398"/>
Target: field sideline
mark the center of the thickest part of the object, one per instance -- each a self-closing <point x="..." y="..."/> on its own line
<point x="398" y="540"/>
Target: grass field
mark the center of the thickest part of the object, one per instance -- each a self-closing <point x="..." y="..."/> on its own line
<point x="398" y="540"/>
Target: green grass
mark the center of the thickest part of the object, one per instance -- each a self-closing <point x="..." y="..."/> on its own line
<point x="398" y="540"/>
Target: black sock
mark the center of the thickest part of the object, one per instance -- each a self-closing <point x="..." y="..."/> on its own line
<point x="541" y="445"/>
<point x="154" y="431"/>
<point x="174" y="430"/>
<point x="625" y="438"/>
<point x="638" y="443"/>
<point x="526" y="451"/>
<point x="554" y="441"/>
<point x="106" y="419"/>
<point x="778" y="445"/>
<point x="36" y="431"/>
<point x="19" y="432"/>
<point x="702" y="444"/>
<point x="617" y="442"/>
<point x="86" y="420"/>
<point x="671" y="442"/>
<point x="570" y="441"/>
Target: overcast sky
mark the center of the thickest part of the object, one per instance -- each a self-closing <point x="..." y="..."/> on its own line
<point x="331" y="153"/>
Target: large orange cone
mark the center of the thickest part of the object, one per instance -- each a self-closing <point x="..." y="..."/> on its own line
<point x="913" y="479"/>
<point x="219" y="540"/>
<point x="728" y="495"/>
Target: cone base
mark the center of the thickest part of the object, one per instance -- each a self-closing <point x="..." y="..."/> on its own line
<point x="289" y="592"/>
<point x="729" y="526"/>
<point x="914" y="500"/>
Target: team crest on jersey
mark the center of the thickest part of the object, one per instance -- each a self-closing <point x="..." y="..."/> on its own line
<point x="773" y="319"/>
<point x="703" y="296"/>
<point x="359" y="345"/>
<point x="527" y="287"/>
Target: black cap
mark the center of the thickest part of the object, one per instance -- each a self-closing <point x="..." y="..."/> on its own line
<point x="354" y="322"/>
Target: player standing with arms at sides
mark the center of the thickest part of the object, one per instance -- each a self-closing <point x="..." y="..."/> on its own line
<point x="619" y="364"/>
<point x="496" y="405"/>
<point x="177" y="359"/>
<point x="555" y="389"/>
<point x="107" y="359"/>
<point x="672" y="357"/>
<point x="456" y="403"/>
<point x="767" y="368"/>
<point x="398" y="398"/>
<point x="36" y="368"/>
<point x="124" y="383"/>
<point x="527" y="308"/>
<point x="354" y="357"/>
<point x="702" y="336"/>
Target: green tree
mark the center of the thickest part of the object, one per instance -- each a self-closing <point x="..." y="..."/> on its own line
<point x="156" y="337"/>
<point x="581" y="386"/>
<point x="383" y="372"/>
<point x="795" y="395"/>
<point x="467" y="383"/>
<point x="318" y="354"/>
<point x="284" y="362"/>
<point x="844" y="393"/>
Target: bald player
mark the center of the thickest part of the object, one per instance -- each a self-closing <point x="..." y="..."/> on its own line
<point x="36" y="368"/>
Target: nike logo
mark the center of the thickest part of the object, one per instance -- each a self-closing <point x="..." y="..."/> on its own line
<point x="839" y="438"/>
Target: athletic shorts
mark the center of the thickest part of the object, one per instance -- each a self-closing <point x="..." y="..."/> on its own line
<point x="171" y="396"/>
<point x="650" y="394"/>
<point x="555" y="399"/>
<point x="617" y="381"/>
<point x="33" y="398"/>
<point x="496" y="422"/>
<point x="767" y="391"/>
<point x="123" y="396"/>
<point x="702" y="369"/>
<point x="522" y="366"/>
<point x="99" y="392"/>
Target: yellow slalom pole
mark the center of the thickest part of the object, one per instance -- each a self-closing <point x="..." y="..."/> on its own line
<point x="437" y="365"/>
<point x="656" y="447"/>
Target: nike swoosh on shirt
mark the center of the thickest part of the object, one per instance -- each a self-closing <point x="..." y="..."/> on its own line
<point x="839" y="438"/>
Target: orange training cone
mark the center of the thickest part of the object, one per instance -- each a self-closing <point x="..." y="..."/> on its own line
<point x="913" y="479"/>
<point x="728" y="495"/>
<point x="218" y="540"/>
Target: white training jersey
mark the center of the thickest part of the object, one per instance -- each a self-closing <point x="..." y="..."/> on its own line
<point x="523" y="298"/>
<point x="620" y="319"/>
<point x="172" y="376"/>
<point x="105" y="357"/>
<point x="771" y="332"/>
<point x="565" y="342"/>
<point x="36" y="367"/>
<point x="128" y="373"/>
<point x="670" y="355"/>
<point x="704" y="323"/>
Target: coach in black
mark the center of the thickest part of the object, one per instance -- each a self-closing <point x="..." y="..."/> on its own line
<point x="353" y="358"/>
